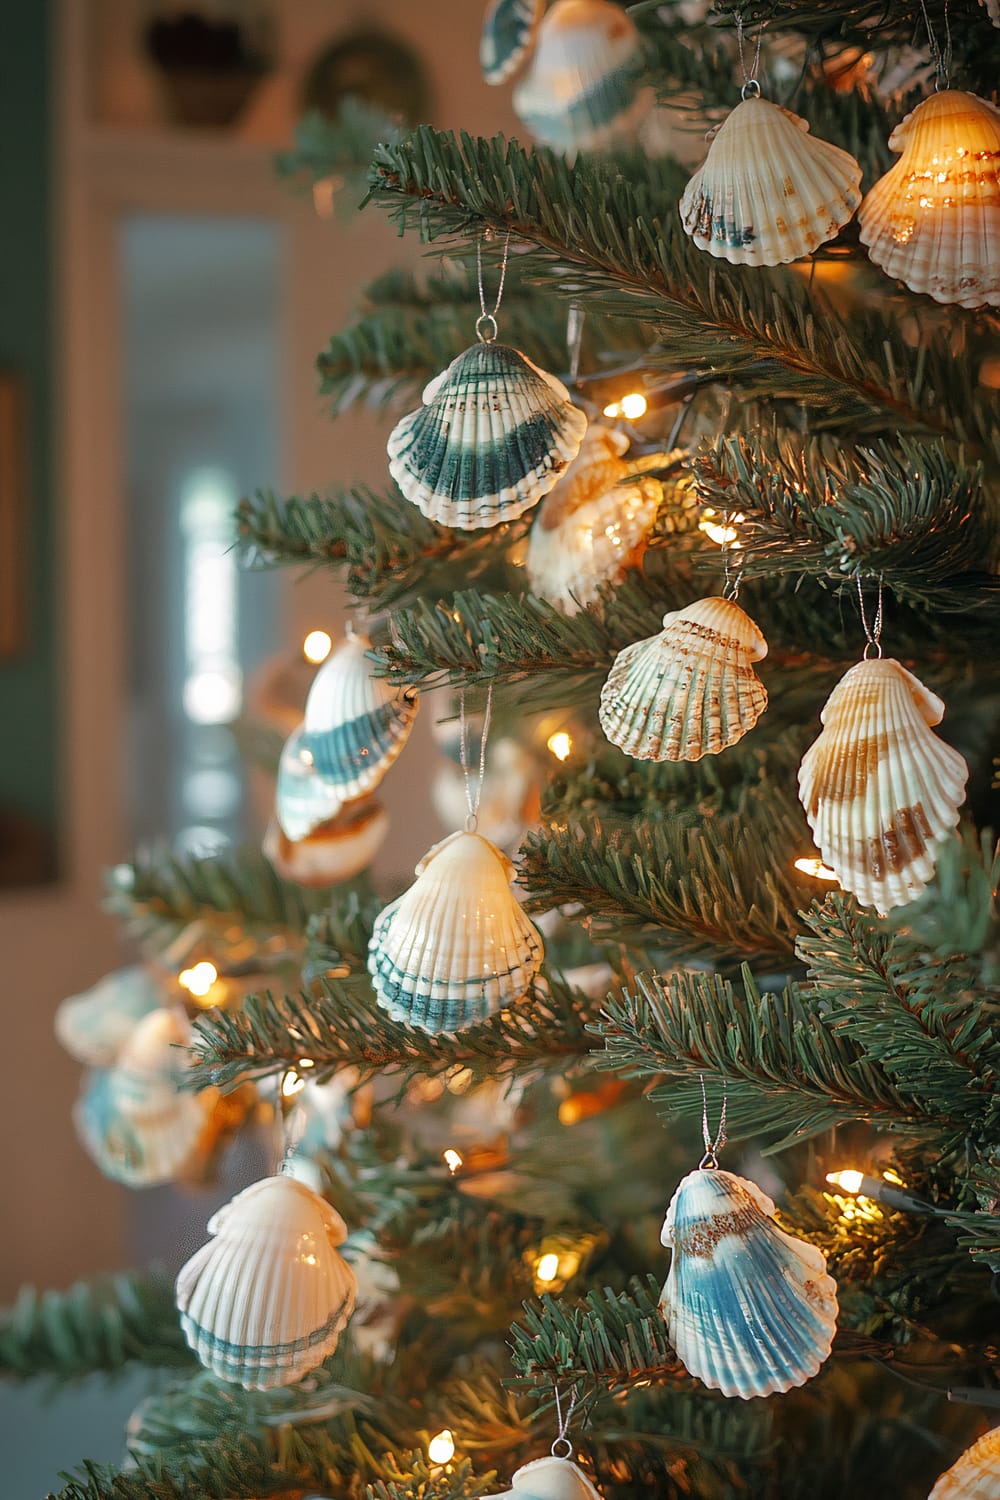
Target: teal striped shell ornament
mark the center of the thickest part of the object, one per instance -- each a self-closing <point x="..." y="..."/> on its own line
<point x="135" y="1119"/>
<point x="583" y="90"/>
<point x="456" y="947"/>
<point x="95" y="1025"/>
<point x="304" y="801"/>
<point x="509" y="28"/>
<point x="750" y="1310"/>
<point x="356" y="724"/>
<point x="492" y="437"/>
<point x="266" y="1300"/>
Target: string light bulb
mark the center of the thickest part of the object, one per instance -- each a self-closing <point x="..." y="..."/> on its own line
<point x="441" y="1448"/>
<point x="198" y="980"/>
<point x="889" y="1190"/>
<point x="547" y="1267"/>
<point x="810" y="865"/>
<point x="721" y="531"/>
<point x="453" y="1159"/>
<point x="560" y="744"/>
<point x="631" y="407"/>
<point x="317" y="646"/>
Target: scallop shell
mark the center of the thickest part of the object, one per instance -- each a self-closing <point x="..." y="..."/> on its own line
<point x="933" y="220"/>
<point x="509" y="28"/>
<point x="456" y="946"/>
<point x="689" y="691"/>
<point x="492" y="437"/>
<point x="592" y="526"/>
<point x="265" y="1301"/>
<point x="880" y="791"/>
<point x="768" y="192"/>
<point x="135" y="1120"/>
<point x="583" y="90"/>
<point x="303" y="800"/>
<point x="94" y="1026"/>
<point x="550" y="1479"/>
<point x="749" y="1309"/>
<point x="336" y="851"/>
<point x="356" y="724"/>
<point x="976" y="1475"/>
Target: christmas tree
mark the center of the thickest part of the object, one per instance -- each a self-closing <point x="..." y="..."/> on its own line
<point x="699" y="456"/>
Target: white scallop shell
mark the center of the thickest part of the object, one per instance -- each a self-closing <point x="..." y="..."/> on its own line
<point x="768" y="192"/>
<point x="336" y="851"/>
<point x="509" y="28"/>
<point x="356" y="724"/>
<point x="976" y="1475"/>
<point x="933" y="220"/>
<point x="880" y="791"/>
<point x="303" y="799"/>
<point x="94" y="1026"/>
<point x="749" y="1309"/>
<point x="266" y="1300"/>
<point x="689" y="691"/>
<point x="135" y="1120"/>
<point x="492" y="437"/>
<point x="456" y="946"/>
<point x="583" y="89"/>
<point x="550" y="1479"/>
<point x="592" y="526"/>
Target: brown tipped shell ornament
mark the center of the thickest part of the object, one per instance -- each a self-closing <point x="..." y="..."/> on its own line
<point x="689" y="691"/>
<point x="880" y="790"/>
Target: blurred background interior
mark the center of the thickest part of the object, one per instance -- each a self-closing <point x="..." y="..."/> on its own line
<point x="164" y="297"/>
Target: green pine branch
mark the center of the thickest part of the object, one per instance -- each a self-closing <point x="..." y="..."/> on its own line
<point x="719" y="884"/>
<point x="225" y="900"/>
<point x="340" y="148"/>
<point x="338" y="1025"/>
<point x="102" y="1323"/>
<point x="912" y="516"/>
<point x="617" y="242"/>
<point x="411" y="327"/>
<point x="388" y="549"/>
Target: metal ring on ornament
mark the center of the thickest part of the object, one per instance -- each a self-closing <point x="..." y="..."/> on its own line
<point x="490" y="322"/>
<point x="750" y="90"/>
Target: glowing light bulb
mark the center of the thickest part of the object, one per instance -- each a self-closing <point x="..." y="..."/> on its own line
<point x="723" y="533"/>
<point x="441" y="1448"/>
<point x="631" y="407"/>
<point x="547" y="1267"/>
<point x="199" y="979"/>
<point x="317" y="646"/>
<point x="453" y="1159"/>
<point x="306" y="1062"/>
<point x="560" y="744"/>
<point x="809" y="865"/>
<point x="850" y="1181"/>
<point x="291" y="1084"/>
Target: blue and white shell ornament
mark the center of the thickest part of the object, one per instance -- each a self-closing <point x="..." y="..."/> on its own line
<point x="493" y="435"/>
<point x="356" y="724"/>
<point x="750" y="1310"/>
<point x="509" y="28"/>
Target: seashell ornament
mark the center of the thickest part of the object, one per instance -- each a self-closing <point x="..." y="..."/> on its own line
<point x="303" y="799"/>
<point x="356" y="724"/>
<point x="266" y="1300"/>
<point x="492" y="437"/>
<point x="592" y="526"/>
<point x="135" y="1120"/>
<point x="976" y="1475"/>
<point x="509" y="28"/>
<point x="689" y="691"/>
<point x="550" y="1478"/>
<point x="933" y="220"/>
<point x="880" y="791"/>
<point x="768" y="192"/>
<point x="95" y="1025"/>
<point x="583" y="90"/>
<point x="455" y="947"/>
<point x="335" y="851"/>
<point x="749" y="1309"/>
